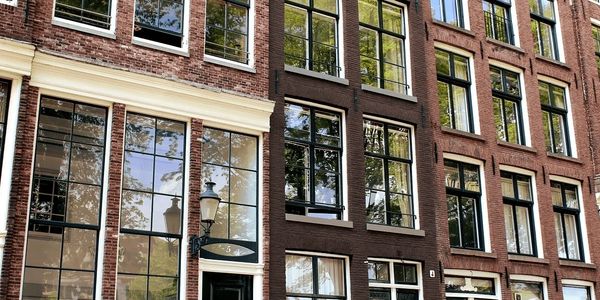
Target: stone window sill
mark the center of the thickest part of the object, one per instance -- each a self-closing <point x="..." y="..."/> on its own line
<point x="576" y="264"/>
<point x="530" y="259"/>
<point x="372" y="89"/>
<point x="319" y="221"/>
<point x="317" y="75"/>
<point x="564" y="157"/>
<point x="552" y="61"/>
<point x="454" y="28"/>
<point x="505" y="45"/>
<point x="516" y="146"/>
<point x="476" y="253"/>
<point x="228" y="63"/>
<point x="158" y="46"/>
<point x="396" y="230"/>
<point x="83" y="28"/>
<point x="465" y="134"/>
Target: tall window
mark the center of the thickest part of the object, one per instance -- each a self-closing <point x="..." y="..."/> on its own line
<point x="382" y="37"/>
<point x="448" y="11"/>
<point x="311" y="35"/>
<point x="151" y="214"/>
<point x="313" y="150"/>
<point x="231" y="161"/>
<point x="64" y="216"/>
<point x="596" y="36"/>
<point x="576" y="292"/>
<point x="506" y="94"/>
<point x="497" y="20"/>
<point x="95" y="13"/>
<point x="159" y="21"/>
<point x="388" y="164"/>
<point x="454" y="86"/>
<point x="543" y="28"/>
<point x="566" y="220"/>
<point x="554" y="118"/>
<point x="393" y="280"/>
<point x="526" y="290"/>
<point x="518" y="213"/>
<point x="4" y="96"/>
<point x="227" y="29"/>
<point x="314" y="277"/>
<point x="463" y="194"/>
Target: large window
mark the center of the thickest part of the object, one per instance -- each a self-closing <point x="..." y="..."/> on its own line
<point x="463" y="195"/>
<point x="382" y="40"/>
<point x="576" y="292"/>
<point x="393" y="280"/>
<point x="220" y="286"/>
<point x="231" y="161"/>
<point x="518" y="213"/>
<point x="454" y="86"/>
<point x="596" y="36"/>
<point x="460" y="287"/>
<point x="4" y="96"/>
<point x="160" y="21"/>
<point x="314" y="277"/>
<point x="64" y="216"/>
<point x="313" y="150"/>
<point x="554" y="118"/>
<point x="311" y="35"/>
<point x="498" y="24"/>
<point x="506" y="94"/>
<point x="388" y="165"/>
<point x="95" y="13"/>
<point x="448" y="11"/>
<point x="526" y="290"/>
<point x="565" y="201"/>
<point x="543" y="28"/>
<point x="227" y="29"/>
<point x="151" y="208"/>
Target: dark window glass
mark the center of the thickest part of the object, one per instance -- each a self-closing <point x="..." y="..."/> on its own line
<point x="4" y="96"/>
<point x="64" y="216"/>
<point x="454" y="90"/>
<point x="506" y="95"/>
<point x="565" y="201"/>
<point x="543" y="28"/>
<point x="94" y="13"/>
<point x="231" y="161"/>
<point x="379" y="272"/>
<point x="554" y="118"/>
<point x="159" y="21"/>
<point x="518" y="213"/>
<point x="219" y="286"/>
<point x="151" y="208"/>
<point x="314" y="277"/>
<point x="227" y="29"/>
<point x="448" y="11"/>
<point x="526" y="290"/>
<point x="497" y="20"/>
<point x="313" y="150"/>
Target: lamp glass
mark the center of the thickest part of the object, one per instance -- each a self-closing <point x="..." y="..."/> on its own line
<point x="208" y="209"/>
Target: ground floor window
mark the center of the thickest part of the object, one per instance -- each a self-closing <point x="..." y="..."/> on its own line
<point x="473" y="285"/>
<point x="219" y="286"/>
<point x="394" y="280"/>
<point x="313" y="277"/>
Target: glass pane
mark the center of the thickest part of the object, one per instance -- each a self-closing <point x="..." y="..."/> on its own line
<point x="496" y="78"/>
<point x="509" y="229"/>
<point x="484" y="286"/>
<point x="324" y="38"/>
<point x="166" y="216"/>
<point x="379" y="294"/>
<point x="558" y="134"/>
<point x="369" y="59"/>
<point x="571" y="229"/>
<point x="499" y="119"/>
<point x="524" y="230"/>
<point x="170" y="16"/>
<point x="296" y="32"/>
<point x="576" y="293"/>
<point x="558" y="97"/>
<point x="220" y="176"/>
<point x="556" y="194"/>
<point x="51" y="245"/>
<point x="327" y="128"/>
<point x="168" y="176"/>
<point x="243" y="224"/>
<point x="399" y="177"/>
<point x="454" y="284"/>
<point x="512" y="122"/>
<point x="571" y="197"/>
<point x="436" y="10"/>
<point x="83" y="204"/>
<point x="442" y="62"/>
<point x="471" y="174"/>
<point x="243" y="151"/>
<point x="221" y="227"/>
<point x="146" y="12"/>
<point x="452" y="174"/>
<point x="243" y="187"/>
<point x="215" y="146"/>
<point x="170" y="138"/>
<point x="164" y="256"/>
<point x="548" y="9"/>
<point x="331" y="276"/>
<point x="547" y="131"/>
<point x="326" y="5"/>
<point x="524" y="188"/>
<point x="296" y="172"/>
<point x="89" y="123"/>
<point x="470" y="238"/>
<point x="445" y="109"/>
<point x="52" y="159"/>
<point x="461" y="67"/>
<point x="461" y="108"/>
<point x="544" y="90"/>
<point x="405" y="274"/>
<point x="79" y="249"/>
<point x="525" y="290"/>
<point x="507" y="187"/>
<point x="326" y="160"/>
<point x="453" y="220"/>
<point x="237" y="19"/>
<point x="399" y="142"/>
<point x="298" y="274"/>
<point x="513" y="86"/>
<point x="133" y="253"/>
<point x="451" y="8"/>
<point x="392" y="18"/>
<point x="374" y="173"/>
<point x="139" y="133"/>
<point x="379" y="272"/>
<point x="547" y="39"/>
<point x="135" y="171"/>
<point x="400" y="211"/>
<point x="297" y="122"/>
<point x="76" y="285"/>
<point x="40" y="284"/>
<point x="131" y="287"/>
<point x="56" y="118"/>
<point x="560" y="240"/>
<point x="136" y="210"/>
<point x="393" y="52"/>
<point x="375" y="203"/>
<point x="326" y="188"/>
<point x="368" y="12"/>
<point x="163" y="288"/>
<point x="374" y="139"/>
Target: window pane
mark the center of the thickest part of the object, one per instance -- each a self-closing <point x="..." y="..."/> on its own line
<point x="220" y="176"/>
<point x="399" y="177"/>
<point x="442" y="62"/>
<point x="471" y="177"/>
<point x="496" y="78"/>
<point x="405" y="274"/>
<point x="324" y="43"/>
<point x="547" y="39"/>
<point x="380" y="294"/>
<point x="547" y="9"/>
<point x="40" y="283"/>
<point x="452" y="174"/>
<point x="509" y="228"/>
<point x="168" y="176"/>
<point x="524" y="230"/>
<point x="400" y="211"/>
<point x="170" y="16"/>
<point x="243" y="224"/>
<point x="139" y="133"/>
<point x="164" y="256"/>
<point x="131" y="287"/>
<point x="558" y="134"/>
<point x="374" y="173"/>
<point x="327" y="128"/>
<point x="499" y="119"/>
<point x="526" y="290"/>
<point x="298" y="274"/>
<point x="512" y="122"/>
<point x="484" y="286"/>
<point x="83" y="204"/>
<point x="461" y="67"/>
<point x="368" y="12"/>
<point x="560" y="240"/>
<point x="326" y="188"/>
<point x="170" y="138"/>
<point x="524" y="188"/>
<point x="331" y="276"/>
<point x="576" y="293"/>
<point x="571" y="197"/>
<point x="469" y="223"/>
<point x="50" y="243"/>
<point x="166" y="214"/>
<point x="571" y="230"/>
<point x="375" y="203"/>
<point x="295" y="43"/>
<point x="135" y="171"/>
<point x="445" y="109"/>
<point x="243" y="151"/>
<point x="162" y="288"/>
<point x="546" y="122"/>
<point x="243" y="187"/>
<point x="461" y="108"/>
<point x="133" y="254"/>
<point x="374" y="139"/>
<point x="76" y="285"/>
<point x="52" y="159"/>
<point x="399" y="142"/>
<point x="507" y="187"/>
<point x="326" y="5"/>
<point x="453" y="221"/>
<point x="379" y="272"/>
<point x="79" y="251"/>
<point x="513" y="86"/>
<point x="215" y="146"/>
<point x="451" y="12"/>
<point x="136" y="210"/>
<point x="369" y="59"/>
<point x="89" y="123"/>
<point x="297" y="122"/>
<point x="296" y="172"/>
<point x="392" y="18"/>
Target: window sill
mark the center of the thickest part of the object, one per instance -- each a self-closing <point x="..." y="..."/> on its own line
<point x="529" y="259"/>
<point x="577" y="264"/>
<point x="553" y="61"/>
<point x="9" y="3"/>
<point x="83" y="28"/>
<point x="476" y="253"/>
<point x="227" y="63"/>
<point x="319" y="221"/>
<point x="461" y="133"/>
<point x="160" y="47"/>
<point x="318" y="75"/>
<point x="565" y="158"/>
<point x="454" y="28"/>
<point x="505" y="45"/>
<point x="396" y="230"/>
<point x="516" y="146"/>
<point x="372" y="89"/>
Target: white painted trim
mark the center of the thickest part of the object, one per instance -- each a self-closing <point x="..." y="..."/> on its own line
<point x="228" y="63"/>
<point x="570" y="135"/>
<point x="485" y="220"/>
<point x="539" y="279"/>
<point x="465" y="9"/>
<point x="515" y="25"/>
<point x="183" y="50"/>
<point x="479" y="274"/>
<point x="8" y="2"/>
<point x="340" y="39"/>
<point x="575" y="282"/>
<point x="407" y="53"/>
<point x="16" y="57"/>
<point x="183" y="247"/>
<point x="108" y="33"/>
<point x="392" y="284"/>
<point x="595" y="22"/>
<point x="160" y="46"/>
<point x="559" y="38"/>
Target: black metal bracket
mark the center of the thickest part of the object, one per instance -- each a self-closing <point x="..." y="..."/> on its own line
<point x="196" y="243"/>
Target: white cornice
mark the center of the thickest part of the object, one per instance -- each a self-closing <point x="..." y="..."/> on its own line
<point x="16" y="57"/>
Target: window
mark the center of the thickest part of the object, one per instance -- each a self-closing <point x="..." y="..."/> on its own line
<point x="313" y="150"/>
<point x="4" y="96"/>
<point x="575" y="292"/>
<point x="518" y="213"/>
<point x="448" y="11"/>
<point x="160" y="21"/>
<point x="454" y="85"/>
<point x="218" y="286"/>
<point x="382" y="44"/>
<point x="388" y="165"/>
<point x="231" y="161"/>
<point x="473" y="287"/>
<point x="463" y="194"/>
<point x="393" y="280"/>
<point x="64" y="216"/>
<point x="526" y="290"/>
<point x="227" y="29"/>
<point x="596" y="36"/>
<point x="543" y="23"/>
<point x="151" y="214"/>
<point x="311" y="35"/>
<point x="506" y="94"/>
<point x="314" y="277"/>
<point x="565" y="201"/>
<point x="497" y="20"/>
<point x="554" y="114"/>
<point x="96" y="13"/>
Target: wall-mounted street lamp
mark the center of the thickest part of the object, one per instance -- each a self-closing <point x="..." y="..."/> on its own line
<point x="209" y="204"/>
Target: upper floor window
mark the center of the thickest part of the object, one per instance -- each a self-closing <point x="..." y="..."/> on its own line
<point x="393" y="280"/>
<point x="565" y="201"/>
<point x="454" y="90"/>
<point x="470" y="288"/>
<point x="388" y="172"/>
<point x="227" y="29"/>
<point x="315" y="277"/>
<point x="497" y="17"/>
<point x="65" y="207"/>
<point x="313" y="151"/>
<point x="543" y="28"/>
<point x="382" y="45"/>
<point x="527" y="290"/>
<point x="448" y="11"/>
<point x="518" y="213"/>
<point x="4" y="96"/>
<point x="463" y="196"/>
<point x="231" y="161"/>
<point x="506" y="94"/>
<point x="311" y="35"/>
<point x="596" y="36"/>
<point x="160" y="21"/>
<point x="96" y="13"/>
<point x="555" y="118"/>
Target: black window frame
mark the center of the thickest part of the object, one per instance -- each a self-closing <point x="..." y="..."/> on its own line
<point x="84" y="16"/>
<point x="156" y="34"/>
<point x="225" y="30"/>
<point x="3" y="124"/>
<point x="562" y="112"/>
<point x="492" y="21"/>
<point x="518" y="202"/>
<point x="212" y="282"/>
<point x="460" y="15"/>
<point x="539" y="18"/>
<point x="505" y="96"/>
<point x="451" y="80"/>
<point x="315" y="279"/>
<point x="565" y="210"/>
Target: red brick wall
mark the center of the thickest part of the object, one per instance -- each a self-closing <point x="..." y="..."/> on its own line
<point x="14" y="23"/>
<point x="265" y="214"/>
<point x="196" y="187"/>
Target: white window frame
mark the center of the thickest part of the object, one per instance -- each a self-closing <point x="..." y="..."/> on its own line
<point x="474" y="274"/>
<point x="570" y="134"/>
<point x="9" y="2"/>
<point x="580" y="283"/>
<point x="536" y="206"/>
<point x="472" y="77"/>
<point x="393" y="286"/>
<point x="487" y="244"/>
<point x="531" y="278"/>
<point x="107" y="33"/>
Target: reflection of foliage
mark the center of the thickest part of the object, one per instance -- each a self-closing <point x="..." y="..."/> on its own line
<point x="226" y="30"/>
